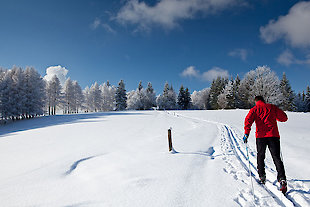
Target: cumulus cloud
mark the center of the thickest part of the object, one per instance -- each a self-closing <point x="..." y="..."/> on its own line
<point x="190" y="72"/>
<point x="239" y="53"/>
<point x="213" y="73"/>
<point x="168" y="13"/>
<point x="59" y="71"/>
<point x="287" y="58"/>
<point x="294" y="27"/>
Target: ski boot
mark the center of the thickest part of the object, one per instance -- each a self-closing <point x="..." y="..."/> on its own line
<point x="283" y="186"/>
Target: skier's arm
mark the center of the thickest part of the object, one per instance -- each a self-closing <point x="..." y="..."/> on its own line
<point x="281" y="115"/>
<point x="249" y="119"/>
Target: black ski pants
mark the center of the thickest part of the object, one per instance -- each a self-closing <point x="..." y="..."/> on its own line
<point x="273" y="144"/>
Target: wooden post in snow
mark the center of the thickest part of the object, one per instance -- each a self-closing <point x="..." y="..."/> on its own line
<point x="169" y="140"/>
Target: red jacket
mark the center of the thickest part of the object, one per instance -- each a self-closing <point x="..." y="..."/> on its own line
<point x="265" y="117"/>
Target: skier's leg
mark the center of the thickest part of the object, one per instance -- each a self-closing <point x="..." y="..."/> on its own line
<point x="274" y="148"/>
<point x="261" y="145"/>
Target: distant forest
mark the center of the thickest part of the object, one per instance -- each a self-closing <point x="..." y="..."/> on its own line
<point x="25" y="94"/>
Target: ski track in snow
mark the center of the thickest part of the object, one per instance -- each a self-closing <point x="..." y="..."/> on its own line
<point x="232" y="150"/>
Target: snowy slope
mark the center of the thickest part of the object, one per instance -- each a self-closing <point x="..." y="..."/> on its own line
<point x="122" y="159"/>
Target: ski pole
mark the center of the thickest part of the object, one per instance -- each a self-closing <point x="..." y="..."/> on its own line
<point x="249" y="168"/>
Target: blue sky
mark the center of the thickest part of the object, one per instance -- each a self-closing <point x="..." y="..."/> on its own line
<point x="157" y="40"/>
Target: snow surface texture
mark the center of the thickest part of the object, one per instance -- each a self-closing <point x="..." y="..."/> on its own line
<point x="122" y="159"/>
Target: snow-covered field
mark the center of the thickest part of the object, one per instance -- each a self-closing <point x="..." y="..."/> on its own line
<point x="122" y="159"/>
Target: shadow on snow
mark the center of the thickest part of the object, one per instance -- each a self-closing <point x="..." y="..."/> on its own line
<point x="45" y="121"/>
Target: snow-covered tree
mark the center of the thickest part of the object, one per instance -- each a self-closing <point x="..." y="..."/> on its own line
<point x="5" y="94"/>
<point x="87" y="99"/>
<point x="307" y="99"/>
<point x="108" y="96"/>
<point x="200" y="99"/>
<point x="95" y="97"/>
<point x="216" y="89"/>
<point x="35" y="94"/>
<point x="300" y="103"/>
<point x="150" y="97"/>
<point x="121" y="96"/>
<point x="132" y="100"/>
<point x="53" y="93"/>
<point x="68" y="102"/>
<point x="167" y="101"/>
<point x="237" y="99"/>
<point x="226" y="100"/>
<point x="261" y="81"/>
<point x="288" y="95"/>
<point x="78" y="97"/>
<point x="184" y="98"/>
<point x="17" y="101"/>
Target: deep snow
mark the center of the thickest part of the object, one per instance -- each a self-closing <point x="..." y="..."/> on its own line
<point x="122" y="159"/>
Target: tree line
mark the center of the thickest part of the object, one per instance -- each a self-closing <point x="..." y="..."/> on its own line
<point x="25" y="94"/>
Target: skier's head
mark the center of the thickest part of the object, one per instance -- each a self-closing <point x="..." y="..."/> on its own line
<point x="259" y="98"/>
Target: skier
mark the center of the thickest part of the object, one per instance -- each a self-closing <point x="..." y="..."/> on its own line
<point x="267" y="134"/>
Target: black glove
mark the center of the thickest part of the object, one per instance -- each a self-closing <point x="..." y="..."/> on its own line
<point x="245" y="138"/>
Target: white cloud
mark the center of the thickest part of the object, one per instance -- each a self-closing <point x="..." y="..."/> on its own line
<point x="59" y="71"/>
<point x="287" y="58"/>
<point x="190" y="72"/>
<point x="293" y="27"/>
<point x="214" y="73"/>
<point x="108" y="28"/>
<point x="209" y="75"/>
<point x="96" y="23"/>
<point x="240" y="53"/>
<point x="168" y="13"/>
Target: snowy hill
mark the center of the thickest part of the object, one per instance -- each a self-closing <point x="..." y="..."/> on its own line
<point x="122" y="159"/>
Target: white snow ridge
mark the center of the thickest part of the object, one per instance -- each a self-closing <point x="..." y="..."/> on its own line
<point x="122" y="159"/>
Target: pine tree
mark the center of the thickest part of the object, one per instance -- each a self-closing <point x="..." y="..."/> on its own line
<point x="184" y="99"/>
<point x="140" y="97"/>
<point x="188" y="99"/>
<point x="307" y="99"/>
<point x="287" y="103"/>
<point x="230" y="95"/>
<point x="121" y="96"/>
<point x="226" y="100"/>
<point x="167" y="101"/>
<point x="299" y="103"/>
<point x="237" y="101"/>
<point x="136" y="99"/>
<point x="216" y="89"/>
<point x="181" y="98"/>
<point x="150" y="97"/>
